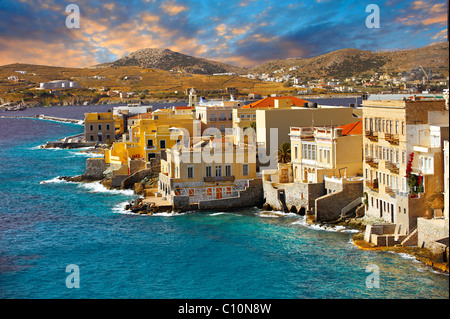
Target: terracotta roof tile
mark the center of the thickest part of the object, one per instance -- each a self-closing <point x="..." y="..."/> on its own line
<point x="352" y="128"/>
<point x="270" y="102"/>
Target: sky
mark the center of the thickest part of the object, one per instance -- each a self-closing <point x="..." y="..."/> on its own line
<point x="239" y="32"/>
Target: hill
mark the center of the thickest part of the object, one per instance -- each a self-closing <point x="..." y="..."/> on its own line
<point x="165" y="59"/>
<point x="353" y="62"/>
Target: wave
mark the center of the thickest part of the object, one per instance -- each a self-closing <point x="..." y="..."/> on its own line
<point x="336" y="229"/>
<point x="56" y="180"/>
<point x="165" y="214"/>
<point x="87" y="154"/>
<point x="97" y="187"/>
<point x="216" y="214"/>
<point x="120" y="209"/>
<point x="276" y="214"/>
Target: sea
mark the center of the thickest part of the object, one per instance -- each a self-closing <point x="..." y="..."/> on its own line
<point x="65" y="240"/>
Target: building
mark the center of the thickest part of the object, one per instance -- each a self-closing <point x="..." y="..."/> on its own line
<point x="403" y="179"/>
<point x="324" y="177"/>
<point x="273" y="126"/>
<point x="211" y="174"/>
<point x="60" y="84"/>
<point x="99" y="127"/>
<point x="317" y="152"/>
<point x="219" y="117"/>
<point x="160" y="131"/>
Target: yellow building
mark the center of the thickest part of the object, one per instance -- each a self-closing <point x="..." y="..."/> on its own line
<point x="326" y="151"/>
<point x="150" y="133"/>
<point x="401" y="181"/>
<point x="273" y="126"/>
<point x="208" y="171"/>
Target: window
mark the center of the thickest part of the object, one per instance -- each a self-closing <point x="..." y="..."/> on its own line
<point x="155" y="117"/>
<point x="218" y="170"/>
<point x="162" y="144"/>
<point x="190" y="172"/>
<point x="295" y="152"/>
<point x="208" y="171"/>
<point x="99" y="127"/>
<point x="245" y="169"/>
<point x="91" y="138"/>
<point x="107" y="127"/>
<point x="227" y="170"/>
<point x="150" y="156"/>
<point x="242" y="116"/>
<point x="150" y="143"/>
<point x="108" y="137"/>
<point x="91" y="127"/>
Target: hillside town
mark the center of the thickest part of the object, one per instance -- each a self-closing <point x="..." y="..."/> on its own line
<point x="384" y="163"/>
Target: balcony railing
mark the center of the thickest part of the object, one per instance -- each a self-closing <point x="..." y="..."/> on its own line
<point x="371" y="161"/>
<point x="371" y="135"/>
<point x="391" y="138"/>
<point x="392" y="167"/>
<point x="390" y="191"/>
<point x="214" y="179"/>
<point x="373" y="185"/>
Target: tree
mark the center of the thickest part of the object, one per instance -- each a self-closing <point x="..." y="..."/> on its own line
<point x="284" y="153"/>
<point x="253" y="125"/>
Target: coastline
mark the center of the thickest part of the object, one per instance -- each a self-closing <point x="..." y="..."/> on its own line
<point x="423" y="255"/>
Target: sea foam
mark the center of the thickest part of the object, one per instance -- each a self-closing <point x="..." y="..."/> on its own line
<point x="97" y="187"/>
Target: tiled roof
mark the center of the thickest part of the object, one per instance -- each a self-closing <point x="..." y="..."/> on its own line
<point x="270" y="102"/>
<point x="183" y="107"/>
<point x="142" y="116"/>
<point x="352" y="128"/>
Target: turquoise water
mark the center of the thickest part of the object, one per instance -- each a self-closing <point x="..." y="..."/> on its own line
<point x="44" y="227"/>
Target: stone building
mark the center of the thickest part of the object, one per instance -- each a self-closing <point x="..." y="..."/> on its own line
<point x="403" y="163"/>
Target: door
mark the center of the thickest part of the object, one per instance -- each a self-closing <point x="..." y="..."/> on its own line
<point x="218" y="193"/>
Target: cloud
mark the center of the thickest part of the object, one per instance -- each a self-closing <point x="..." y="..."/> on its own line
<point x="241" y="32"/>
<point x="172" y="9"/>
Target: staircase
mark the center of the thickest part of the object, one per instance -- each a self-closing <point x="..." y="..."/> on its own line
<point x="411" y="239"/>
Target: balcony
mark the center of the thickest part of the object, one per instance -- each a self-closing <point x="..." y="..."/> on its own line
<point x="390" y="191"/>
<point x="214" y="179"/>
<point x="371" y="161"/>
<point x="392" y="138"/>
<point x="373" y="185"/>
<point x="392" y="167"/>
<point x="371" y="135"/>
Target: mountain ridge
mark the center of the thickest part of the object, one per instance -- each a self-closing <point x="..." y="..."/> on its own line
<point x="346" y="62"/>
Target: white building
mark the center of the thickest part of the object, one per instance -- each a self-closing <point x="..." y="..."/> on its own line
<point x="60" y="84"/>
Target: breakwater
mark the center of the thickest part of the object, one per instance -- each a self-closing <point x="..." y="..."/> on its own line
<point x="45" y="117"/>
